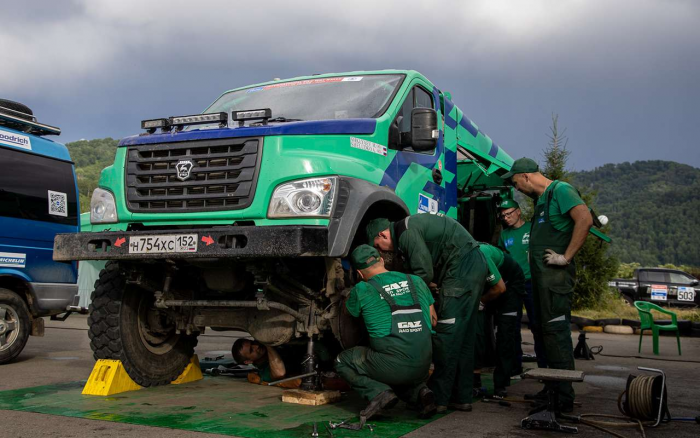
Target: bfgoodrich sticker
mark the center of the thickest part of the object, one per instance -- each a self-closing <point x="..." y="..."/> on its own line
<point x="12" y="260"/>
<point x="16" y="140"/>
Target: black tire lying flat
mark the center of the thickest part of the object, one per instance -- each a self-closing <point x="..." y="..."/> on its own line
<point x="116" y="332"/>
<point x="12" y="106"/>
<point x="15" y="325"/>
<point x="582" y="322"/>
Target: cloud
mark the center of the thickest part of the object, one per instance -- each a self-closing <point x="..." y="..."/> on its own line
<point x="508" y="64"/>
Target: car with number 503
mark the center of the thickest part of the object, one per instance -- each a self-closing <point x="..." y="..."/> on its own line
<point x="666" y="287"/>
<point x="38" y="198"/>
<point x="242" y="217"/>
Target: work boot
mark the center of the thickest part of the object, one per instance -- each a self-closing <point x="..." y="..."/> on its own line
<point x="386" y="399"/>
<point x="500" y="392"/>
<point x="565" y="408"/>
<point x="464" y="407"/>
<point x="426" y="399"/>
<point x="539" y="396"/>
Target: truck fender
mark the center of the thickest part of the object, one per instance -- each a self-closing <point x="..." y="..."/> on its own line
<point x="355" y="198"/>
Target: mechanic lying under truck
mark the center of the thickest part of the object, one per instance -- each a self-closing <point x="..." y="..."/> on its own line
<point x="243" y="217"/>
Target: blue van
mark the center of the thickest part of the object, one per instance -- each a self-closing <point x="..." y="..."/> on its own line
<point x="38" y="198"/>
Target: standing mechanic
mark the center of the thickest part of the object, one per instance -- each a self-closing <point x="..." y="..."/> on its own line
<point x="442" y="253"/>
<point x="506" y="304"/>
<point x="515" y="239"/>
<point x="560" y="224"/>
<point x="398" y="312"/>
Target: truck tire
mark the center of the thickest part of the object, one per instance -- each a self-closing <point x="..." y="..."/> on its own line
<point x="15" y="325"/>
<point x="121" y="327"/>
<point x="15" y="106"/>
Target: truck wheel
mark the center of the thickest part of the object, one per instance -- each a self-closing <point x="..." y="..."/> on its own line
<point x="125" y="326"/>
<point x="15" y="325"/>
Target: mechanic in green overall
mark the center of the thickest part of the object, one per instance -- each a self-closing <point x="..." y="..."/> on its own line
<point x="515" y="240"/>
<point x="506" y="304"/>
<point x="398" y="311"/>
<point x="560" y="224"/>
<point x="446" y="257"/>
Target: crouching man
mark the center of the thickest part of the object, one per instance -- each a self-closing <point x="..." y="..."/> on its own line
<point x="397" y="310"/>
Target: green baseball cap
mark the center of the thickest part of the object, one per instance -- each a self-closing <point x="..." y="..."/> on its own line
<point x="508" y="203"/>
<point x="522" y="165"/>
<point x="364" y="256"/>
<point x="376" y="226"/>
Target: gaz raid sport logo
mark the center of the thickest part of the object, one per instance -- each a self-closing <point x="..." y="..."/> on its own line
<point x="410" y="327"/>
<point x="184" y="167"/>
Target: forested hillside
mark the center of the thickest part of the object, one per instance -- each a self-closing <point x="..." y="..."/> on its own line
<point x="653" y="207"/>
<point x="90" y="157"/>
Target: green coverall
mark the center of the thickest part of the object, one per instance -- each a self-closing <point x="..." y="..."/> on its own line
<point x="399" y="360"/>
<point x="553" y="286"/>
<point x="438" y="249"/>
<point x="507" y="310"/>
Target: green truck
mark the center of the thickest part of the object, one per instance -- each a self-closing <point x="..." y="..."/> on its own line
<point x="241" y="217"/>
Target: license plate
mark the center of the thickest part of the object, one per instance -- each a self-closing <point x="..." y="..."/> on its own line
<point x="686" y="294"/>
<point x="167" y="244"/>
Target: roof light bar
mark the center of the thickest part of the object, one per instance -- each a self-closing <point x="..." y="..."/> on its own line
<point x="200" y="119"/>
<point x="31" y="127"/>
<point x="153" y="124"/>
<point x="242" y="116"/>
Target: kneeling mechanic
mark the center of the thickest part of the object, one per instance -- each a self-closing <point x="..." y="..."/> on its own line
<point x="398" y="312"/>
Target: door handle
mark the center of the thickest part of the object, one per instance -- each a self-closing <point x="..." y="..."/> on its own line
<point x="437" y="176"/>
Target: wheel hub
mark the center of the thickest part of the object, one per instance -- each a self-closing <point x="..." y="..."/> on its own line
<point x="155" y="330"/>
<point x="9" y="323"/>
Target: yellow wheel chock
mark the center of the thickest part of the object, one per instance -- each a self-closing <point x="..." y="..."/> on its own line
<point x="109" y="377"/>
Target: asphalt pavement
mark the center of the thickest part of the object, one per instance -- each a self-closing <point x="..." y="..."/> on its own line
<point x="64" y="355"/>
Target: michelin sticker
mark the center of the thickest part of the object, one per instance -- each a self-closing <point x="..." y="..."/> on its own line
<point x="427" y="205"/>
<point x="16" y="140"/>
<point x="12" y="260"/>
<point x="368" y="146"/>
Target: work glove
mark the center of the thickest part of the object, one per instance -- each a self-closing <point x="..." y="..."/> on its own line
<point x="481" y="306"/>
<point x="553" y="259"/>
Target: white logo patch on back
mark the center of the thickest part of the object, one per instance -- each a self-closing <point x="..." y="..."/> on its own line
<point x="410" y="327"/>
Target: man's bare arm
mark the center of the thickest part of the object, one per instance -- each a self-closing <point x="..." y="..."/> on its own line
<point x="494" y="292"/>
<point x="582" y="224"/>
<point x="277" y="369"/>
<point x="433" y="315"/>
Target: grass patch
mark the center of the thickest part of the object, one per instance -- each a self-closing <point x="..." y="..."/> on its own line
<point x="611" y="305"/>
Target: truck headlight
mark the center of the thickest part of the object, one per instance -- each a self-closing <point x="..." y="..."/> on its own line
<point x="306" y="197"/>
<point x="103" y="209"/>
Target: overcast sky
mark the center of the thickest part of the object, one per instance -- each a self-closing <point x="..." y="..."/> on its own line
<point x="623" y="75"/>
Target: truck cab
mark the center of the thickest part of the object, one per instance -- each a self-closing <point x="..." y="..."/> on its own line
<point x="241" y="217"/>
<point x="38" y="199"/>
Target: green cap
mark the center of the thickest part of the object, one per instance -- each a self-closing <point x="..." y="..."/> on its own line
<point x="364" y="256"/>
<point x="508" y="203"/>
<point x="376" y="226"/>
<point x="522" y="165"/>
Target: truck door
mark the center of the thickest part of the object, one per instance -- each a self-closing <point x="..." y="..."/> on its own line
<point x="417" y="177"/>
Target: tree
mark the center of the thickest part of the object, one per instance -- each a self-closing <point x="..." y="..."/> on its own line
<point x="594" y="265"/>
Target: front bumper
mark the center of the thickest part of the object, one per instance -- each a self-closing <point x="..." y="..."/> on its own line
<point x="219" y="242"/>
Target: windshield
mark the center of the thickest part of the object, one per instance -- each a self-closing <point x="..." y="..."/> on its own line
<point x="316" y="99"/>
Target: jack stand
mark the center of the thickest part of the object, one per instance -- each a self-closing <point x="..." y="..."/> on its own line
<point x="582" y="351"/>
<point x="312" y="382"/>
<point x="545" y="416"/>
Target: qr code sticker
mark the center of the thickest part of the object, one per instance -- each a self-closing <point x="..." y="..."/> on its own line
<point x="58" y="204"/>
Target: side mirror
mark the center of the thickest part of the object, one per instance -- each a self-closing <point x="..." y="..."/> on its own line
<point x="424" y="129"/>
<point x="694" y="282"/>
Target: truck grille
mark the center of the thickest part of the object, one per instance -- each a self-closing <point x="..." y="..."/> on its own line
<point x="222" y="176"/>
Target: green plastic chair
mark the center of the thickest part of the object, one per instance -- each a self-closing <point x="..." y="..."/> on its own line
<point x="645" y="317"/>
